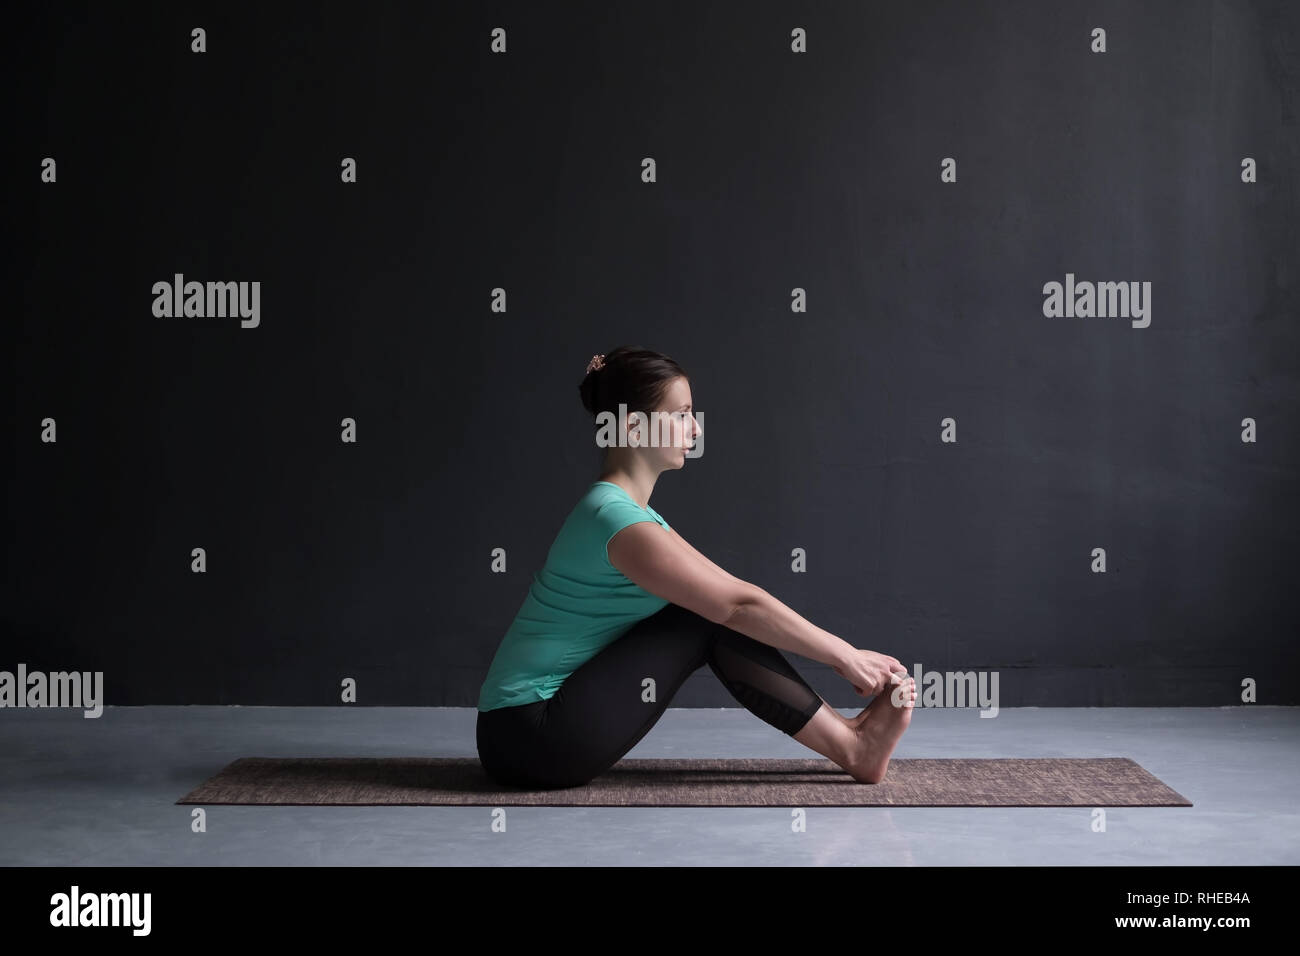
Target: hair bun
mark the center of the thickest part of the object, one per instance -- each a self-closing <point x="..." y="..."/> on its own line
<point x="636" y="377"/>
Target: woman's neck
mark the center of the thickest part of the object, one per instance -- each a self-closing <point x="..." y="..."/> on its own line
<point x="638" y="485"/>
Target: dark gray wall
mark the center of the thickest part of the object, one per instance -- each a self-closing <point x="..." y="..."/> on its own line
<point x="776" y="170"/>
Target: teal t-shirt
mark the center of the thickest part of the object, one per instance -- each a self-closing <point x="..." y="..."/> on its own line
<point x="578" y="604"/>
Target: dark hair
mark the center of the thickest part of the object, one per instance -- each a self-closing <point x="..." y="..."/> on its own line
<point x="635" y="376"/>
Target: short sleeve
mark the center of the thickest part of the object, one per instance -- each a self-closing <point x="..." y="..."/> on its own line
<point x="615" y="514"/>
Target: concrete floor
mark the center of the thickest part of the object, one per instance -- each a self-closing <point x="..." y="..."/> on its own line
<point x="101" y="792"/>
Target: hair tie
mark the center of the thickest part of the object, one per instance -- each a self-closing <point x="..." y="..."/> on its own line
<point x="597" y="362"/>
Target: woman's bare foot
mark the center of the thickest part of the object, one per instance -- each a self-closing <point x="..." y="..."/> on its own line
<point x="878" y="729"/>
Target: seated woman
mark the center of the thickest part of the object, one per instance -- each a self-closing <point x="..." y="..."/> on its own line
<point x="624" y="610"/>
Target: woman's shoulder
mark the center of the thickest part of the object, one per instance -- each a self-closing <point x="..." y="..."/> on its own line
<point x="602" y="492"/>
<point x="610" y="502"/>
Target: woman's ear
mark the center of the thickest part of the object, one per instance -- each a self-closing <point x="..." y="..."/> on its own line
<point x="635" y="430"/>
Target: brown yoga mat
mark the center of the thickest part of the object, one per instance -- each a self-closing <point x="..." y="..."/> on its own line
<point x="816" y="782"/>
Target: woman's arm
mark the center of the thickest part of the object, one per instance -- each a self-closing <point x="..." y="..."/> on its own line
<point x="668" y="567"/>
<point x="686" y="544"/>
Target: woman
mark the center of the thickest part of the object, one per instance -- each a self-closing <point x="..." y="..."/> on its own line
<point x="625" y="610"/>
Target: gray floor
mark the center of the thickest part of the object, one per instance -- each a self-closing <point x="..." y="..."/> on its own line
<point x="75" y="791"/>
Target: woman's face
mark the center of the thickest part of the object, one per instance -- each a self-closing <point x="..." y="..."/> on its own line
<point x="676" y="425"/>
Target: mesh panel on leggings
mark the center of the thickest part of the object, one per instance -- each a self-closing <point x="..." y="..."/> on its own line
<point x="765" y="682"/>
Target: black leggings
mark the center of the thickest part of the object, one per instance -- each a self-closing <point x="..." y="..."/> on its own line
<point x="599" y="713"/>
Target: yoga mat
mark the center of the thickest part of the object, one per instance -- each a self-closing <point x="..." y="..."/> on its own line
<point x="816" y="782"/>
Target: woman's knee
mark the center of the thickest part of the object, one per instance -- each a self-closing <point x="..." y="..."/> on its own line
<point x="693" y="628"/>
<point x="678" y="616"/>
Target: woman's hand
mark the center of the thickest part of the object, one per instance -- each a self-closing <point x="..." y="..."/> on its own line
<point x="869" y="672"/>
